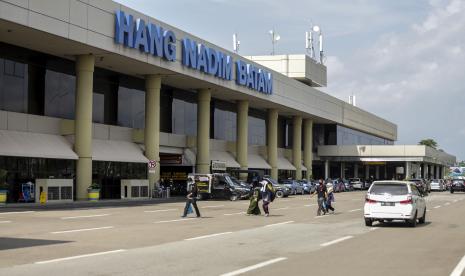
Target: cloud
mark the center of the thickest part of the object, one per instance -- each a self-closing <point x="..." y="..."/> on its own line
<point x="413" y="77"/>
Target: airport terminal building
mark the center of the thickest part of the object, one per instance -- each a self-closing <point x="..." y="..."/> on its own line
<point x="92" y="91"/>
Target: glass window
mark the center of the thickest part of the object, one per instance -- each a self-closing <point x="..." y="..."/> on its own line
<point x="13" y="86"/>
<point x="225" y="125"/>
<point x="131" y="107"/>
<point x="184" y="117"/>
<point x="98" y="108"/>
<point x="59" y="94"/>
<point x="388" y="188"/>
<point x="257" y="131"/>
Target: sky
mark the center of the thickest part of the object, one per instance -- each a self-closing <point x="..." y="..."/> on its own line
<point x="403" y="60"/>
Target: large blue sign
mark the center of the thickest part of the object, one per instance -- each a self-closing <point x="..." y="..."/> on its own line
<point x="154" y="40"/>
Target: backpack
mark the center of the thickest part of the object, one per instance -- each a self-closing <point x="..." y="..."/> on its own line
<point x="272" y="194"/>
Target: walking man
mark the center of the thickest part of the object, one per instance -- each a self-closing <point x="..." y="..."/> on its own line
<point x="267" y="196"/>
<point x="192" y="199"/>
<point x="321" y="193"/>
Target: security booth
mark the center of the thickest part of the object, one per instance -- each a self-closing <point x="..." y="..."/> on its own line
<point x="56" y="190"/>
<point x="135" y="189"/>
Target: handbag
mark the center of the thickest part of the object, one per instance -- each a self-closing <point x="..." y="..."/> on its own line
<point x="189" y="209"/>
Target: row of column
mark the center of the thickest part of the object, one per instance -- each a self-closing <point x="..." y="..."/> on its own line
<point x="83" y="130"/>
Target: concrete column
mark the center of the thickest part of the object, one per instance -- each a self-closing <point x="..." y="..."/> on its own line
<point x="437" y="176"/>
<point x="377" y="172"/>
<point x="83" y="124"/>
<point x="385" y="172"/>
<point x="297" y="146"/>
<point x="327" y="169"/>
<point x="367" y="172"/>
<point x="426" y="171"/>
<point x="203" y="131"/>
<point x="308" y="145"/>
<point x="242" y="133"/>
<point x="407" y="170"/>
<point x="152" y="125"/>
<point x="356" y="170"/>
<point x="272" y="141"/>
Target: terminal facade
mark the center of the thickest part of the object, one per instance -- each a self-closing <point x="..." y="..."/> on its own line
<point x="91" y="91"/>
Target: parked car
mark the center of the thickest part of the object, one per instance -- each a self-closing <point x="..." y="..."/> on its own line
<point x="457" y="185"/>
<point x="338" y="186"/>
<point x="421" y="185"/>
<point x="438" y="185"/>
<point x="295" y="186"/>
<point x="348" y="185"/>
<point x="309" y="187"/>
<point x="281" y="190"/>
<point x="357" y="183"/>
<point x="216" y="185"/>
<point x="394" y="200"/>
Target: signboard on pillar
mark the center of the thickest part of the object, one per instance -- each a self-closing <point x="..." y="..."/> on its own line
<point x="217" y="165"/>
<point x="152" y="164"/>
<point x="400" y="170"/>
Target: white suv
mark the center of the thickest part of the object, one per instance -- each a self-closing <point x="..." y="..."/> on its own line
<point x="394" y="200"/>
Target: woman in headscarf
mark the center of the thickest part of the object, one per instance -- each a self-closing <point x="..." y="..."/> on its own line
<point x="254" y="199"/>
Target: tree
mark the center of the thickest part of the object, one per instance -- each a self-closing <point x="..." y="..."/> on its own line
<point x="428" y="142"/>
<point x="461" y="163"/>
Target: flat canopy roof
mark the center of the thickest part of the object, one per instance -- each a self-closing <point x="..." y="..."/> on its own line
<point x="379" y="153"/>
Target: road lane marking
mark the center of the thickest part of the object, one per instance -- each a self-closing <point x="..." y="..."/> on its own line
<point x="322" y="216"/>
<point x="284" y="208"/>
<point x="208" y="236"/>
<point x="174" y="220"/>
<point x="436" y="207"/>
<point x="5" y="221"/>
<point x="459" y="268"/>
<point x="280" y="223"/>
<point x="309" y="205"/>
<point x="336" y="241"/>
<point x="455" y="200"/>
<point x="373" y="228"/>
<point x="80" y="256"/>
<point x="213" y="206"/>
<point x="157" y="211"/>
<point x="428" y="210"/>
<point x="82" y="230"/>
<point x="447" y="203"/>
<point x="355" y="210"/>
<point x="233" y="214"/>
<point x="89" y="216"/>
<point x="19" y="212"/>
<point x="253" y="267"/>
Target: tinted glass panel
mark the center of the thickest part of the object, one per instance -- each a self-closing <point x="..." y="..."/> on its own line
<point x="13" y="86"/>
<point x="131" y="107"/>
<point x="386" y="188"/>
<point x="184" y="117"/>
<point x="257" y="131"/>
<point x="59" y="94"/>
<point x="225" y="125"/>
<point x="98" y="108"/>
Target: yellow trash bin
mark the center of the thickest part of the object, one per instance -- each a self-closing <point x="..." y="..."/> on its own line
<point x="93" y="194"/>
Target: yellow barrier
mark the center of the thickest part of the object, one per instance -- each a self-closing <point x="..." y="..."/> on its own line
<point x="3" y="197"/>
<point x="93" y="195"/>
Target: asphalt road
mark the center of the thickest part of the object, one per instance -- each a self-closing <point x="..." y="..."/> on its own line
<point x="154" y="240"/>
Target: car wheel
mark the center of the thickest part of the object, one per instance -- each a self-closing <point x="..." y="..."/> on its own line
<point x="368" y="222"/>
<point x="451" y="190"/>
<point x="279" y="194"/>
<point x="422" y="220"/>
<point x="413" y="222"/>
<point x="233" y="197"/>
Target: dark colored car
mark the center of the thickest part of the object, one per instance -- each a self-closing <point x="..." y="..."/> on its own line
<point x="457" y="185"/>
<point x="421" y="185"/>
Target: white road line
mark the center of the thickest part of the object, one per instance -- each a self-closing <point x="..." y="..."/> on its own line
<point x="174" y="220"/>
<point x="213" y="206"/>
<point x="455" y="200"/>
<point x="336" y="241"/>
<point x="284" y="208"/>
<point x="354" y="210"/>
<point x="373" y="228"/>
<point x="5" y="221"/>
<point x="280" y="223"/>
<point x="20" y="212"/>
<point x="447" y="203"/>
<point x="157" y="211"/>
<point x="80" y="256"/>
<point x="322" y="216"/>
<point x="428" y="210"/>
<point x="233" y="214"/>
<point x="208" y="236"/>
<point x="82" y="230"/>
<point x="253" y="267"/>
<point x="89" y="216"/>
<point x="459" y="268"/>
<point x="309" y="205"/>
<point x="439" y="206"/>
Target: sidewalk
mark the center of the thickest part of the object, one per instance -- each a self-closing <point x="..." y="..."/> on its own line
<point x="84" y="204"/>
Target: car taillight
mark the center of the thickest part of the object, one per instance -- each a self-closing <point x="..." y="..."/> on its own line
<point x="408" y="201"/>
<point x="368" y="200"/>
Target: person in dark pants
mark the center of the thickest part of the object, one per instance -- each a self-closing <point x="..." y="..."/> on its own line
<point x="267" y="196"/>
<point x="321" y="192"/>
<point x="192" y="199"/>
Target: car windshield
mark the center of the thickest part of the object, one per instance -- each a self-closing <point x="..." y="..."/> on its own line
<point x="354" y="179"/>
<point x="231" y="181"/>
<point x="273" y="181"/>
<point x="389" y="188"/>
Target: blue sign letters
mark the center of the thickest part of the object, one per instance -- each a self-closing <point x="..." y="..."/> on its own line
<point x="152" y="39"/>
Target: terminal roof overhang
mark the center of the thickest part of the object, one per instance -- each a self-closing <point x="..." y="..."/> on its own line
<point x="290" y="96"/>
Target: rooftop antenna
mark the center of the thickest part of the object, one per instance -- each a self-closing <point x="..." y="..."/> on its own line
<point x="236" y="44"/>
<point x="309" y="44"/>
<point x="317" y="29"/>
<point x="274" y="39"/>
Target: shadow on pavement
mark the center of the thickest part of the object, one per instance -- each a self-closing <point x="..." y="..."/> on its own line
<point x="14" y="243"/>
<point x="399" y="224"/>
